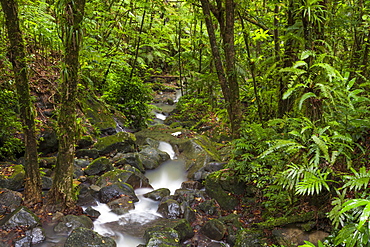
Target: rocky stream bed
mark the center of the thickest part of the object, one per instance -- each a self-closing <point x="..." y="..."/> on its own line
<point x="207" y="209"/>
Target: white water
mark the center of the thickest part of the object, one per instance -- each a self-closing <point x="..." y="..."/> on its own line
<point x="169" y="175"/>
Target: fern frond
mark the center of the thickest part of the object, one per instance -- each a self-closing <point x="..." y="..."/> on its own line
<point x="359" y="180"/>
<point x="322" y="145"/>
<point x="331" y="72"/>
<point x="291" y="90"/>
<point x="304" y="97"/>
<point x="307" y="53"/>
<point x="282" y="144"/>
<point x="312" y="183"/>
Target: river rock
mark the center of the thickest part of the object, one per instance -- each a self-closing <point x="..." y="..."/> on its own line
<point x="191" y="185"/>
<point x="116" y="190"/>
<point x="92" y="213"/>
<point x="86" y="237"/>
<point x="209" y="207"/>
<point x="70" y="222"/>
<point x="214" y="229"/>
<point x="91" y="153"/>
<point x="121" y="205"/>
<point x="292" y="236"/>
<point x="158" y="194"/>
<point x="189" y="196"/>
<point x="233" y="226"/>
<point x="152" y="157"/>
<point x="47" y="162"/>
<point x="99" y="166"/>
<point x="215" y="190"/>
<point x="87" y="195"/>
<point x="189" y="214"/>
<point x="250" y="238"/>
<point x="48" y="142"/>
<point x="33" y="236"/>
<point x="160" y="236"/>
<point x="134" y="177"/>
<point x="170" y="209"/>
<point x="121" y="142"/>
<point x="21" y="217"/>
<point x="132" y="159"/>
<point x="15" y="181"/>
<point x="9" y="200"/>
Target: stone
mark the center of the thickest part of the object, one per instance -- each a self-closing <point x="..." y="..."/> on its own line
<point x="91" y="153"/>
<point x="209" y="207"/>
<point x="135" y="178"/>
<point x="292" y="236"/>
<point x="189" y="214"/>
<point x="32" y="237"/>
<point x="121" y="142"/>
<point x="21" y="217"/>
<point x="99" y="166"/>
<point x="169" y="209"/>
<point x="92" y="213"/>
<point x="70" y="222"/>
<point x="214" y="229"/>
<point x="15" y="181"/>
<point x="233" y="226"/>
<point x="46" y="182"/>
<point x="121" y="205"/>
<point x="132" y="159"/>
<point x="152" y="157"/>
<point x="47" y="162"/>
<point x="9" y="200"/>
<point x="191" y="185"/>
<point x="86" y="237"/>
<point x="250" y="238"/>
<point x="160" y="236"/>
<point x="48" y="142"/>
<point x="158" y="194"/>
<point x="116" y="190"/>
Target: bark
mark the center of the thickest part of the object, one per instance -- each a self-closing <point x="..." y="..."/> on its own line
<point x="228" y="80"/>
<point x="17" y="57"/>
<point x="61" y="195"/>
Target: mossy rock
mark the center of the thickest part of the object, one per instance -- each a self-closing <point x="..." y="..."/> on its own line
<point x="250" y="238"/>
<point x="99" y="166"/>
<point x="120" y="142"/>
<point x="161" y="236"/>
<point x="15" y="181"/>
<point x="135" y="178"/>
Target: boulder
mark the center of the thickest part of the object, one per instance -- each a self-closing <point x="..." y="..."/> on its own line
<point x="91" y="153"/>
<point x="169" y="209"/>
<point x="20" y="218"/>
<point x="15" y="181"/>
<point x="116" y="190"/>
<point x="46" y="182"/>
<point x="121" y="142"/>
<point x="48" y="142"/>
<point x="87" y="195"/>
<point x="31" y="237"/>
<point x="134" y="177"/>
<point x="293" y="236"/>
<point x="215" y="190"/>
<point x="209" y="207"/>
<point x="121" y="205"/>
<point x="9" y="200"/>
<point x="92" y="213"/>
<point x="191" y="185"/>
<point x="98" y="166"/>
<point x="161" y="236"/>
<point x="250" y="238"/>
<point x="132" y="159"/>
<point x="152" y="157"/>
<point x="86" y="237"/>
<point x="47" y="162"/>
<point x="214" y="229"/>
<point x="158" y="194"/>
<point x="233" y="226"/>
<point x="70" y="222"/>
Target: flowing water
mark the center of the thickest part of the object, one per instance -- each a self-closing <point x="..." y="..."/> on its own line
<point x="169" y="175"/>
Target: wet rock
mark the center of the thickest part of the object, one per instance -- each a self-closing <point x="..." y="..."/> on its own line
<point x="170" y="209"/>
<point x="132" y="159"/>
<point x="47" y="162"/>
<point x="92" y="153"/>
<point x="233" y="226"/>
<point x="33" y="236"/>
<point x="99" y="166"/>
<point x="15" y="181"/>
<point x="209" y="207"/>
<point x="189" y="214"/>
<point x="135" y="178"/>
<point x="214" y="229"/>
<point x="114" y="191"/>
<point x="81" y="163"/>
<point x="48" y="143"/>
<point x="86" y="237"/>
<point x="46" y="182"/>
<point x="250" y="238"/>
<point x="21" y="217"/>
<point x="71" y="222"/>
<point x="121" y="205"/>
<point x="215" y="190"/>
<point x="87" y="195"/>
<point x="159" y="236"/>
<point x="120" y="142"/>
<point x="85" y="142"/>
<point x="9" y="200"/>
<point x="191" y="185"/>
<point x="292" y="236"/>
<point x="158" y="194"/>
<point x="184" y="229"/>
<point x="152" y="157"/>
<point x="92" y="213"/>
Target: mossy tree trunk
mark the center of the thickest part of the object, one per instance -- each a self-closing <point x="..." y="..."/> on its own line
<point x="226" y="73"/>
<point x="61" y="195"/>
<point x="17" y="57"/>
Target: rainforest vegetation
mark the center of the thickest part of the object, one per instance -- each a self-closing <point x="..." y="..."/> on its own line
<point x="284" y="83"/>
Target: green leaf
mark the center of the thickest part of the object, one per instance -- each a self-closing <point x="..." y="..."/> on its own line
<point x="322" y="145"/>
<point x="353" y="203"/>
<point x="304" y="97"/>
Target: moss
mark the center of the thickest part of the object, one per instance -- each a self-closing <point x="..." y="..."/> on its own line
<point x="282" y="221"/>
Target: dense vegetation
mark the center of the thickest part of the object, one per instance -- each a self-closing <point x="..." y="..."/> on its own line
<point x="288" y="80"/>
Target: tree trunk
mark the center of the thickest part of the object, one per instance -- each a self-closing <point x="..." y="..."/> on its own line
<point x="17" y="57"/>
<point x="228" y="81"/>
<point x="61" y="194"/>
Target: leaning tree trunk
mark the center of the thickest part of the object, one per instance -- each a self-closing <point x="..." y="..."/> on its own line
<point x="61" y="194"/>
<point x="17" y="57"/>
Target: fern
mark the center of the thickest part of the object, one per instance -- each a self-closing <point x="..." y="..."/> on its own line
<point x="359" y="180"/>
<point x="279" y="144"/>
<point x="312" y="183"/>
<point x="304" y="97"/>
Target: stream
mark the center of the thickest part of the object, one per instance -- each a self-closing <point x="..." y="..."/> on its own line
<point x="169" y="175"/>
